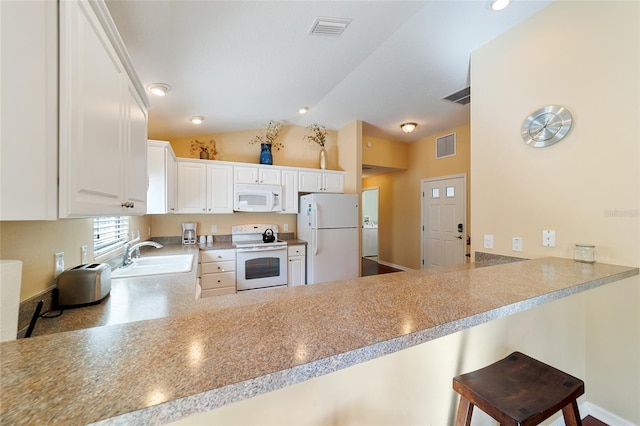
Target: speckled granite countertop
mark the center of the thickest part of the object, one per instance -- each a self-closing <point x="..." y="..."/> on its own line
<point x="229" y="348"/>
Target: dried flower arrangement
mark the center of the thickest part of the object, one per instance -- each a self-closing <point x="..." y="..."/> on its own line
<point x="319" y="135"/>
<point x="198" y="147"/>
<point x="269" y="135"/>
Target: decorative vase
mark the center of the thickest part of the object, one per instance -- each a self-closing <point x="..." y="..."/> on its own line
<point x="323" y="158"/>
<point x="204" y="155"/>
<point x="265" y="154"/>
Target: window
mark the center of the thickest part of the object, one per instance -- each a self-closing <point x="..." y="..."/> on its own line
<point x="109" y="234"/>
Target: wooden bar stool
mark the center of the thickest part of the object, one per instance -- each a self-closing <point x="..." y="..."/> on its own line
<point x="518" y="390"/>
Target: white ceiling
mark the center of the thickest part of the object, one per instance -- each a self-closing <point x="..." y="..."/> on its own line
<point x="243" y="63"/>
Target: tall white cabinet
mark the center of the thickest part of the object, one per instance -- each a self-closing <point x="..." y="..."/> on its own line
<point x="74" y="114"/>
<point x="103" y="120"/>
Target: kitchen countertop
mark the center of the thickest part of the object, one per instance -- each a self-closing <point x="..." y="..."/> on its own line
<point x="151" y="371"/>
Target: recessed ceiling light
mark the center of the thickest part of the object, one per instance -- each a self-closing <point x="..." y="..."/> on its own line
<point x="197" y="119"/>
<point x="499" y="4"/>
<point x="303" y="110"/>
<point x="159" y="89"/>
<point x="408" y="127"/>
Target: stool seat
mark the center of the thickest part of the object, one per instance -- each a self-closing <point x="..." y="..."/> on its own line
<point x="518" y="390"/>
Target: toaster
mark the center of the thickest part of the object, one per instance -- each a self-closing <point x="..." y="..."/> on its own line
<point x="84" y="284"/>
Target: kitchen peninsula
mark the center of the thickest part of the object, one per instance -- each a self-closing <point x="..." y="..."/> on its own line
<point x="235" y="347"/>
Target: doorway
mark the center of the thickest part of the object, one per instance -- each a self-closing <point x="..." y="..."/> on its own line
<point x="444" y="221"/>
<point x="370" y="197"/>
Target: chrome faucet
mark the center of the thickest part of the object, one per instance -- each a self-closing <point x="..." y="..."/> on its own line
<point x="128" y="249"/>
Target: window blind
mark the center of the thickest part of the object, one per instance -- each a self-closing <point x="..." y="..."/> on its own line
<point x="109" y="234"/>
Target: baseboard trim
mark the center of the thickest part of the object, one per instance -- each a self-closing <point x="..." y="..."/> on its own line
<point x="588" y="409"/>
<point x="393" y="265"/>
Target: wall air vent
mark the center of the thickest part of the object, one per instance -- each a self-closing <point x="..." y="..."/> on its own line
<point x="446" y="146"/>
<point x="461" y="97"/>
<point x="329" y="26"/>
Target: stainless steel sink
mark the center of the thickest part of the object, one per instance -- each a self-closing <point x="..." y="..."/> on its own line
<point x="155" y="265"/>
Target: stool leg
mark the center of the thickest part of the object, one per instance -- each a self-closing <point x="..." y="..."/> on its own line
<point x="571" y="414"/>
<point x="465" y="409"/>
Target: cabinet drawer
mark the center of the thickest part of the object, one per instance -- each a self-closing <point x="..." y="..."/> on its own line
<point x="296" y="250"/>
<point x="217" y="255"/>
<point x="218" y="291"/>
<point x="215" y="267"/>
<point x="224" y="279"/>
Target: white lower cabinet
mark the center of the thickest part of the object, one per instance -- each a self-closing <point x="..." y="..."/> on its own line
<point x="297" y="274"/>
<point x="217" y="272"/>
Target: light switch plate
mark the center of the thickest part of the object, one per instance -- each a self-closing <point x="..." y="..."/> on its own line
<point x="488" y="241"/>
<point x="83" y="254"/>
<point x="214" y="229"/>
<point x="548" y="238"/>
<point x="285" y="226"/>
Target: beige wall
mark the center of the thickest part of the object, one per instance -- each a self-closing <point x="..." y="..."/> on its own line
<point x="385" y="153"/>
<point x="400" y="194"/>
<point x="350" y="156"/>
<point x="594" y="335"/>
<point x="36" y="242"/>
<point x="587" y="187"/>
<point x="235" y="146"/>
<point x="170" y="225"/>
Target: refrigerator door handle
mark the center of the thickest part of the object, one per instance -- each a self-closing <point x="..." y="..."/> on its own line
<point x="314" y="216"/>
<point x="315" y="248"/>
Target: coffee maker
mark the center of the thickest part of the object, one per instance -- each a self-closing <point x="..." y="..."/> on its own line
<point x="189" y="233"/>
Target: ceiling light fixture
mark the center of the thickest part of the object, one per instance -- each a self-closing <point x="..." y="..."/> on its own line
<point x="408" y="127"/>
<point x="497" y="5"/>
<point x="303" y="110"/>
<point x="159" y="89"/>
<point x="197" y="119"/>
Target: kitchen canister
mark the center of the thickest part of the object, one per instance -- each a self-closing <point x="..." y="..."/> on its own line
<point x="585" y="253"/>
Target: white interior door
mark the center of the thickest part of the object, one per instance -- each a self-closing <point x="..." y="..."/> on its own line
<point x="444" y="227"/>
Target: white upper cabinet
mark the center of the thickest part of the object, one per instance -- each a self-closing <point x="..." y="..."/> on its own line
<point x="219" y="188"/>
<point x="103" y="118"/>
<point x="29" y="110"/>
<point x="192" y="187"/>
<point x="204" y="187"/>
<point x="161" y="167"/>
<point x="321" y="181"/>
<point x="259" y="175"/>
<point x="289" y="191"/>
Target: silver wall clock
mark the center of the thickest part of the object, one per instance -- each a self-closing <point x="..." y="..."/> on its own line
<point x="546" y="126"/>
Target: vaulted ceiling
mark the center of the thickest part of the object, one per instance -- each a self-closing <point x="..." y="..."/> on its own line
<point x="241" y="64"/>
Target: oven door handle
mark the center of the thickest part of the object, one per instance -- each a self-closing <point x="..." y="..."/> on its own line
<point x="260" y="250"/>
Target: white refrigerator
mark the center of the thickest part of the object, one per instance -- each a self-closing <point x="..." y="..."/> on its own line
<point x="329" y="224"/>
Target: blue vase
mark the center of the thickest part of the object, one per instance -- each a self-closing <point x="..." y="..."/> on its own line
<point x="265" y="154"/>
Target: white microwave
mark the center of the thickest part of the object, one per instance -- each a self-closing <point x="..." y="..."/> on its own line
<point x="257" y="198"/>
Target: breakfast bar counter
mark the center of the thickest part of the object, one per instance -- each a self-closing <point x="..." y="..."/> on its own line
<point x="229" y="348"/>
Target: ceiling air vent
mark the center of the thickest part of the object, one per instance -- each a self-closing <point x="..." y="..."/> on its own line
<point x="461" y="97"/>
<point x="329" y="26"/>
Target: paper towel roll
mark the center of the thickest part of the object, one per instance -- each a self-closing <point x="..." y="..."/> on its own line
<point x="10" y="280"/>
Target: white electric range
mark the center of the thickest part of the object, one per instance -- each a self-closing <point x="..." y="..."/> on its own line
<point x="261" y="259"/>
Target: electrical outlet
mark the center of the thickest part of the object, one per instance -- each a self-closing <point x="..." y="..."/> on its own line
<point x="488" y="241"/>
<point x="548" y="238"/>
<point x="83" y="254"/>
<point x="214" y="229"/>
<point x="516" y="244"/>
<point x="285" y="226"/>
<point x="59" y="264"/>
